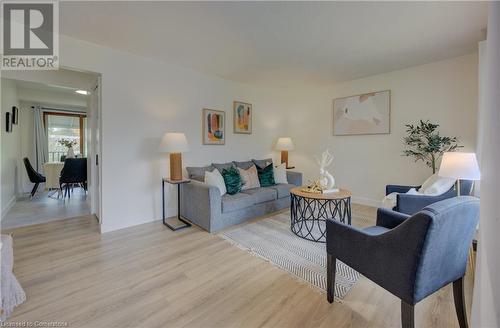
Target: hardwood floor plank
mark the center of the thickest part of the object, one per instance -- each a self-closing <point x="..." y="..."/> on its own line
<point x="149" y="276"/>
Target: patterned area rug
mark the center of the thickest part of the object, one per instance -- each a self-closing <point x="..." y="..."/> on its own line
<point x="272" y="240"/>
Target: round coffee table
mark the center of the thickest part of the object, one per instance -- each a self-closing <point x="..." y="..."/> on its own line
<point x="309" y="212"/>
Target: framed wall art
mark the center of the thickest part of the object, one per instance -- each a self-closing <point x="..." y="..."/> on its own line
<point x="368" y="113"/>
<point x="242" y="117"/>
<point x="8" y="122"/>
<point x="15" y="115"/>
<point x="214" y="132"/>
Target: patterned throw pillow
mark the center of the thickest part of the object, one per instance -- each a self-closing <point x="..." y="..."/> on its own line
<point x="249" y="178"/>
<point x="266" y="176"/>
<point x="232" y="180"/>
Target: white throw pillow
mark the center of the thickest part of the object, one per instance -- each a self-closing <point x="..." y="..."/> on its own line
<point x="215" y="179"/>
<point x="427" y="183"/>
<point x="279" y="172"/>
<point x="436" y="185"/>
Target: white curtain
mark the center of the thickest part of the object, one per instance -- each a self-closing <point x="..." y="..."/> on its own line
<point x="40" y="140"/>
<point x="486" y="302"/>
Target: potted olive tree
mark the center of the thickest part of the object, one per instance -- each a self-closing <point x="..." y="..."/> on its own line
<point x="424" y="143"/>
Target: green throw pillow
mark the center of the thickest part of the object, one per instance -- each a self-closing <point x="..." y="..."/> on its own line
<point x="266" y="176"/>
<point x="232" y="180"/>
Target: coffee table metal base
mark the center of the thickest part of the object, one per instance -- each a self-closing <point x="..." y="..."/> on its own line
<point x="308" y="215"/>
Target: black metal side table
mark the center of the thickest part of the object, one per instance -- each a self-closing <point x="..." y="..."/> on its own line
<point x="179" y="217"/>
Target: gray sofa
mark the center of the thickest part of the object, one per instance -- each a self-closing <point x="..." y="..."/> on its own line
<point x="203" y="205"/>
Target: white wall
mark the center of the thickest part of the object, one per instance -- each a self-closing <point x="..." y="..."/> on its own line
<point x="10" y="143"/>
<point x="143" y="98"/>
<point x="444" y="92"/>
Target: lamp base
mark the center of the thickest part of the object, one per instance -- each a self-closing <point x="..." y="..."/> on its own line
<point x="175" y="166"/>
<point x="284" y="157"/>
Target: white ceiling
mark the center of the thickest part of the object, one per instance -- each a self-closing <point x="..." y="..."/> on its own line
<point x="49" y="88"/>
<point x="50" y="95"/>
<point x="282" y="42"/>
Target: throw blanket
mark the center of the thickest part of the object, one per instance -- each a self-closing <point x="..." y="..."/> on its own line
<point x="11" y="292"/>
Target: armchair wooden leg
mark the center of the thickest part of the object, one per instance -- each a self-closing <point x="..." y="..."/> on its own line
<point x="330" y="276"/>
<point x="458" y="295"/>
<point x="407" y="315"/>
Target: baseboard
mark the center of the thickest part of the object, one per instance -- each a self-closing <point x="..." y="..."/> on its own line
<point x="7" y="208"/>
<point x="366" y="201"/>
<point x="170" y="212"/>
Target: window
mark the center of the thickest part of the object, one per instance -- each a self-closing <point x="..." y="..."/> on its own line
<point x="65" y="126"/>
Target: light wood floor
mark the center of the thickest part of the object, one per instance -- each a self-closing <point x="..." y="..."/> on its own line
<point x="42" y="208"/>
<point x="149" y="276"/>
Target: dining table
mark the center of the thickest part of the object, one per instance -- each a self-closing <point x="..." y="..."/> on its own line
<point x="52" y="171"/>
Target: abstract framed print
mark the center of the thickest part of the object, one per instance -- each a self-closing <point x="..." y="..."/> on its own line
<point x="214" y="132"/>
<point x="242" y="117"/>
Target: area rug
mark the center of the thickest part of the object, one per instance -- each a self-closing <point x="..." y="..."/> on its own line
<point x="271" y="239"/>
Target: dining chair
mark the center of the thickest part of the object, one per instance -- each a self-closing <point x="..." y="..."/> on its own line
<point x="33" y="175"/>
<point x="73" y="172"/>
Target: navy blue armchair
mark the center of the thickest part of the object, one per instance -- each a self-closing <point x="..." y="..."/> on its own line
<point x="410" y="204"/>
<point x="410" y="256"/>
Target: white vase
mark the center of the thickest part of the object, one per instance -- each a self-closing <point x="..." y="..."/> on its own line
<point x="71" y="153"/>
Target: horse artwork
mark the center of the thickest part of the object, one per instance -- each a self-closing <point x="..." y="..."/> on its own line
<point x="242" y="117"/>
<point x="367" y="113"/>
<point x="213" y="127"/>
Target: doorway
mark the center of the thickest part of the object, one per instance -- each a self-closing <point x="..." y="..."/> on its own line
<point x="63" y="150"/>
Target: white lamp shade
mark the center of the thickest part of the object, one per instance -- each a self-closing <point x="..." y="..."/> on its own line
<point x="459" y="166"/>
<point x="173" y="142"/>
<point x="284" y="144"/>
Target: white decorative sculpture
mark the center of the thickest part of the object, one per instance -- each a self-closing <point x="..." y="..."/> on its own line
<point x="326" y="180"/>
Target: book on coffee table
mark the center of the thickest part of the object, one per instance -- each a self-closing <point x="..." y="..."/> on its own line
<point x="329" y="191"/>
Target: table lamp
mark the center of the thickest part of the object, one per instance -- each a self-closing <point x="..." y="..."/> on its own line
<point x="284" y="144"/>
<point x="461" y="166"/>
<point x="174" y="143"/>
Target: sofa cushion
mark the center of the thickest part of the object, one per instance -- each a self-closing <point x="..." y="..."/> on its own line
<point x="266" y="176"/>
<point x="262" y="163"/>
<point x="198" y="173"/>
<point x="222" y="166"/>
<point x="261" y="195"/>
<point x="283" y="189"/>
<point x="216" y="179"/>
<point x="236" y="202"/>
<point x="232" y="180"/>
<point x="249" y="177"/>
<point x="279" y="172"/>
<point x="244" y="165"/>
